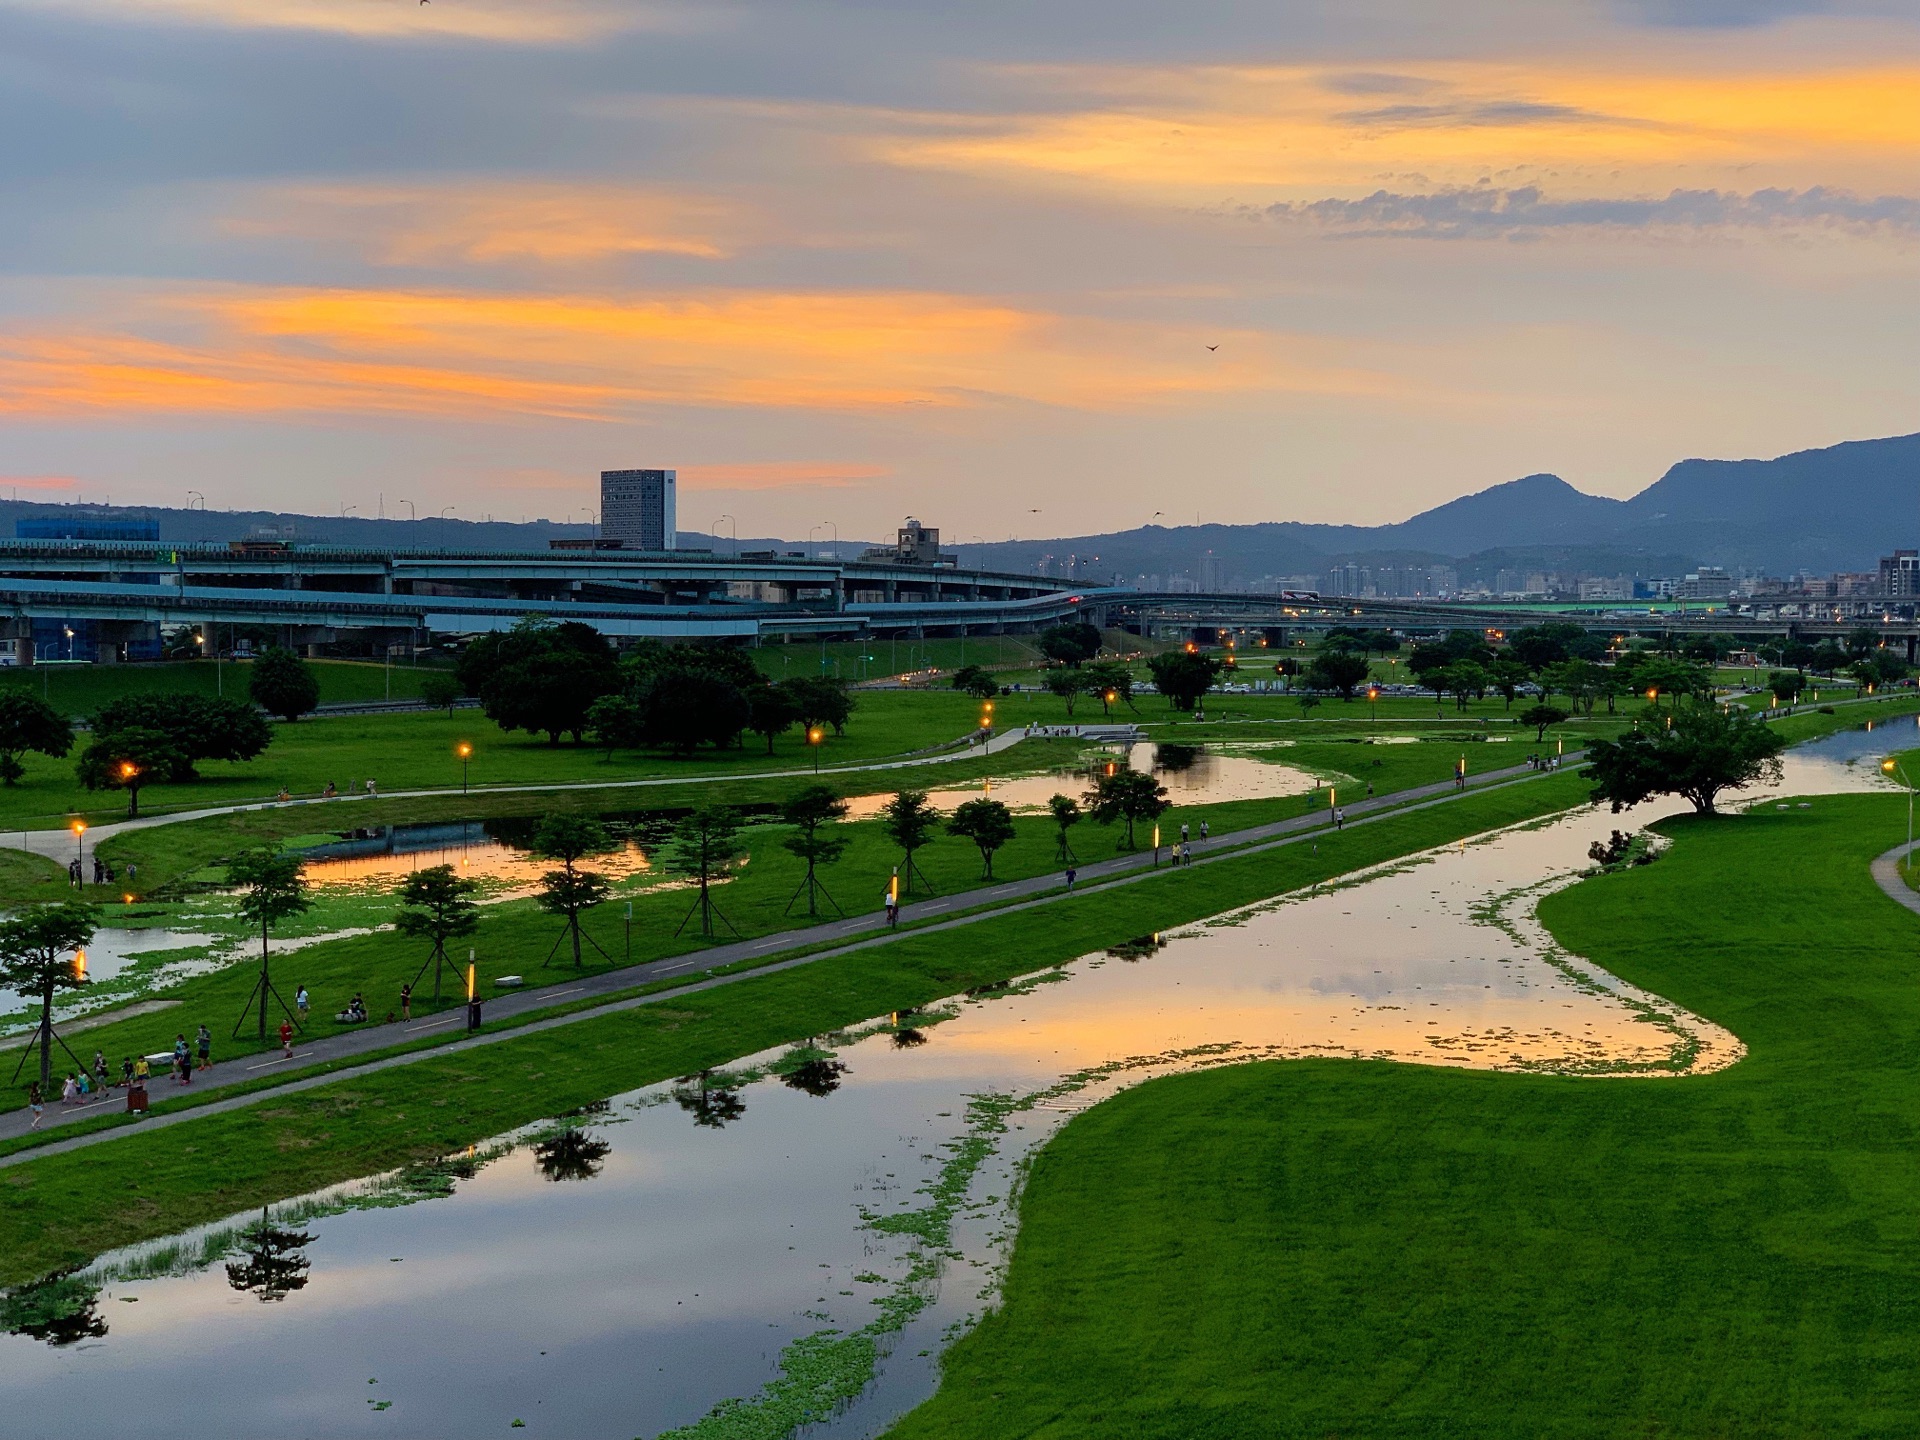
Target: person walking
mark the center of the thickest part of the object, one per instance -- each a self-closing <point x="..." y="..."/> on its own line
<point x="1205" y="830"/>
<point x="890" y="903"/>
<point x="1339" y="819"/>
<point x="1183" y="832"/>
<point x="100" y="1071"/>
<point x="69" y="1090"/>
<point x="301" y="1003"/>
<point x="203" y="1044"/>
<point x="286" y="1038"/>
<point x="373" y="791"/>
<point x="141" y="1072"/>
<point x="406" y="1001"/>
<point x="126" y="1072"/>
<point x="36" y="1103"/>
<point x="182" y="1066"/>
<point x="1072" y="875"/>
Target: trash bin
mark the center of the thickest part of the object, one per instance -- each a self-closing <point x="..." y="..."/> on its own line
<point x="136" y="1099"/>
<point x="473" y="1014"/>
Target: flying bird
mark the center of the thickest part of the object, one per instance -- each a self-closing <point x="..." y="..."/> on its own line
<point x="1210" y="347"/>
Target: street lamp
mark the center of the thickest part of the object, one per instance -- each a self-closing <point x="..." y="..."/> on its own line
<point x="465" y="752"/>
<point x="80" y="848"/>
<point x="127" y="771"/>
<point x="1373" y="710"/>
<point x="1891" y="766"/>
<point x="814" y="736"/>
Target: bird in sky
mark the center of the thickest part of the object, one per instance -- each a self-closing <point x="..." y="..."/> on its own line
<point x="1210" y="347"/>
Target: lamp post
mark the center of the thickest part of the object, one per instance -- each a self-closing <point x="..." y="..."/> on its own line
<point x="465" y="752"/>
<point x="1891" y="766"/>
<point x="80" y="849"/>
<point x="128" y="770"/>
<point x="1373" y="710"/>
<point x="814" y="736"/>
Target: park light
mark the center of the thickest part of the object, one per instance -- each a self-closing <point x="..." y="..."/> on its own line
<point x="128" y="770"/>
<point x="80" y="967"/>
<point x="814" y="736"/>
<point x="470" y="988"/>
<point x="1110" y="697"/>
<point x="79" y="827"/>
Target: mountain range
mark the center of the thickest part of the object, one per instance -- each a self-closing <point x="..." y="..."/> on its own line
<point x="1838" y="508"/>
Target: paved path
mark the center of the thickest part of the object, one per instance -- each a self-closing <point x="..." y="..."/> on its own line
<point x="851" y="933"/>
<point x="59" y="846"/>
<point x="1886" y="874"/>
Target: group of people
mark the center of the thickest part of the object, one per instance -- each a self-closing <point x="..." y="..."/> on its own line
<point x="103" y="873"/>
<point x="82" y="1086"/>
<point x="1543" y="762"/>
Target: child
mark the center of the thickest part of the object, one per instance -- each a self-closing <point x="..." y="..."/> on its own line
<point x="36" y="1104"/>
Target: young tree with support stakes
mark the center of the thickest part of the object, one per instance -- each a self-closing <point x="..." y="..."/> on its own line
<point x="704" y="848"/>
<point x="911" y="822"/>
<point x="40" y="955"/>
<point x="812" y="811"/>
<point x="987" y="823"/>
<point x="1066" y="814"/>
<point x="28" y="723"/>
<point x="1127" y="795"/>
<point x="271" y="889"/>
<point x="570" y="890"/>
<point x="438" y="906"/>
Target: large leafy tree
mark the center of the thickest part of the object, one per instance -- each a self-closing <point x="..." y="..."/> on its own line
<point x="437" y="905"/>
<point x="570" y="890"/>
<point x="820" y="701"/>
<point x="987" y="823"/>
<point x="1070" y="644"/>
<point x="977" y="681"/>
<point x="1066" y="684"/>
<point x="1786" y="685"/>
<point x="1126" y="796"/>
<point x="1112" y="682"/>
<point x="283" y="684"/>
<point x="681" y="710"/>
<point x="126" y="760"/>
<point x="910" y="821"/>
<point x="1183" y="676"/>
<point x="1705" y="751"/>
<point x="1341" y="671"/>
<point x="28" y="723"/>
<point x="199" y="727"/>
<point x="540" y="677"/>
<point x="39" y="950"/>
<point x="704" y="848"/>
<point x="813" y="811"/>
<point x="272" y="889"/>
<point x="1542" y="718"/>
<point x="771" y="712"/>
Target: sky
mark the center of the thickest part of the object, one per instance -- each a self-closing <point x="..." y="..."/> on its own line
<point x="1052" y="267"/>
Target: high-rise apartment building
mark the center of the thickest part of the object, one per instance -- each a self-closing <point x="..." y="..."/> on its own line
<point x="637" y="508"/>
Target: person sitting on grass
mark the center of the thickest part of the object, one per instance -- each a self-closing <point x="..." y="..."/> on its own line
<point x="355" y="1013"/>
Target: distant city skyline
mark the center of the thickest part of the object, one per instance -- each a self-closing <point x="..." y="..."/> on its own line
<point x="1029" y="270"/>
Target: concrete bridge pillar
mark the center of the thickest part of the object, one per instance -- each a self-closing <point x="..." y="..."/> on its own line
<point x="23" y="650"/>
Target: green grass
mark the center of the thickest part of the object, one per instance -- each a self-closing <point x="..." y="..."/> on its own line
<point x="1358" y="1249"/>
<point x="61" y="1209"/>
<point x="80" y="690"/>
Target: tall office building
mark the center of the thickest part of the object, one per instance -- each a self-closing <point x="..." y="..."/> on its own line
<point x="636" y="508"/>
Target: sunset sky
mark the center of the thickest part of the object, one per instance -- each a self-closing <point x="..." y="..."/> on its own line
<point x="845" y="262"/>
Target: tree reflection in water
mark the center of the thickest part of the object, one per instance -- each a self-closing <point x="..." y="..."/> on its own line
<point x="274" y="1267"/>
<point x="818" y="1076"/>
<point x="907" y="1037"/>
<point x="1176" y="757"/>
<point x="1137" y="948"/>
<point x="60" y="1309"/>
<point x="713" y="1106"/>
<point x="571" y="1155"/>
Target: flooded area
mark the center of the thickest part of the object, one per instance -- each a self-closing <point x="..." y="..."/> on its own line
<point x="1193" y="774"/>
<point x="841" y="1208"/>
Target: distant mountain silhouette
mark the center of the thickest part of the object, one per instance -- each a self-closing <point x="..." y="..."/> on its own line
<point x="1838" y="508"/>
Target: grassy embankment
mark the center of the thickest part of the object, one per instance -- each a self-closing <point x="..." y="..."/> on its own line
<point x="1334" y="1247"/>
<point x="79" y="690"/>
<point x="63" y="1208"/>
<point x="515" y="936"/>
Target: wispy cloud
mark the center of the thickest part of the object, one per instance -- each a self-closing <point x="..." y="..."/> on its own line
<point x="508" y="21"/>
<point x="779" y="474"/>
<point x="38" y="482"/>
<point x="1484" y="212"/>
<point x="257" y="351"/>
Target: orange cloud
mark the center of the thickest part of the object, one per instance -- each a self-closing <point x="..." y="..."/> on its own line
<point x="776" y="474"/>
<point x="1615" y="128"/>
<point x="38" y="482"/>
<point x="244" y="351"/>
<point x="488" y="223"/>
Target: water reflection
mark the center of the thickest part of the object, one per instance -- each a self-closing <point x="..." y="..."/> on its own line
<point x="62" y="1309"/>
<point x="573" y="1154"/>
<point x="712" y="1106"/>
<point x="273" y="1263"/>
<point x="817" y="1075"/>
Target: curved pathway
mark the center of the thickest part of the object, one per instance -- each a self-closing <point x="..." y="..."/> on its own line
<point x="854" y="932"/>
<point x="1886" y="874"/>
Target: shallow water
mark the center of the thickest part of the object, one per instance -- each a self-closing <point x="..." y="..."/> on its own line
<point x="1192" y="774"/>
<point x="631" y="1300"/>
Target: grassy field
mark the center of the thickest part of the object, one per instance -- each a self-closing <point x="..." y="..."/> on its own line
<point x="79" y="690"/>
<point x="1357" y="1249"/>
<point x="63" y="1208"/>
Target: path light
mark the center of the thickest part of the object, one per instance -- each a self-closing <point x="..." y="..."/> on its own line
<point x="465" y="752"/>
<point x="1891" y="766"/>
<point x="79" y="843"/>
<point x="1156" y="844"/>
<point x="80" y="967"/>
<point x="814" y="736"/>
<point x="1373" y="694"/>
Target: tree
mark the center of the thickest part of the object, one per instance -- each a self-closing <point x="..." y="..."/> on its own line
<point x="1127" y="795"/>
<point x="441" y="691"/>
<point x="283" y="684"/>
<point x="1065" y="684"/>
<point x="1072" y="644"/>
<point x="811" y="811"/>
<point x="683" y="709"/>
<point x="987" y="823"/>
<point x="1308" y="703"/>
<point x="28" y="723"/>
<point x="703" y="848"/>
<point x="1066" y="814"/>
<point x="820" y="701"/>
<point x="1509" y="675"/>
<point x="272" y="889"/>
<point x="975" y="680"/>
<point x="1878" y="668"/>
<point x="1581" y="681"/>
<point x="437" y="905"/>
<point x="1467" y="680"/>
<point x="1541" y="717"/>
<point x="1861" y="642"/>
<point x="34" y="944"/>
<point x="1111" y="681"/>
<point x="1826" y="658"/>
<point x="570" y="890"/>
<point x="1786" y="685"/>
<point x="126" y="760"/>
<point x="550" y="693"/>
<point x="910" y="822"/>
<point x="1341" y="671"/>
<point x="200" y="727"/>
<point x="1183" y="676"/>
<point x="771" y="711"/>
<point x="1538" y="646"/>
<point x="1704" y="751"/>
<point x="616" y="722"/>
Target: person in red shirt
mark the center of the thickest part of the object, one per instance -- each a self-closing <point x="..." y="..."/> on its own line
<point x="286" y="1038"/>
